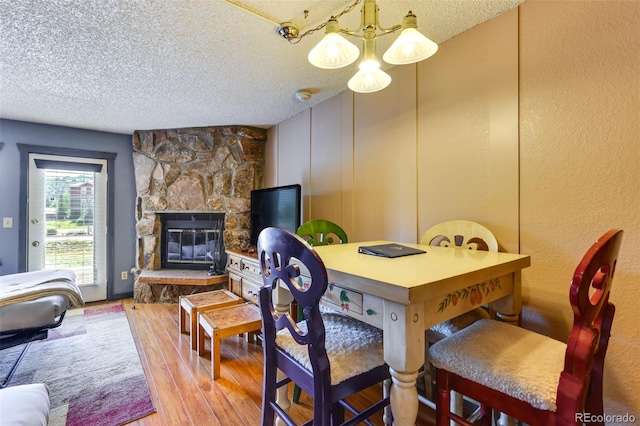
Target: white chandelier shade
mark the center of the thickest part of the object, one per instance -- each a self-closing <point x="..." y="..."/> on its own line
<point x="333" y="51"/>
<point x="410" y="47"/>
<point x="369" y="78"/>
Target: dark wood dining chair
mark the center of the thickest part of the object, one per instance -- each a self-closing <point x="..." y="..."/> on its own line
<point x="330" y="356"/>
<point x="529" y="376"/>
<point x="318" y="232"/>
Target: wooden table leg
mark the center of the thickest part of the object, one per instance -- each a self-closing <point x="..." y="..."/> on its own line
<point x="215" y="355"/>
<point x="404" y="398"/>
<point x="508" y="308"/>
<point x="201" y="336"/>
<point x="404" y="353"/>
<point x="193" y="323"/>
<point x="181" y="318"/>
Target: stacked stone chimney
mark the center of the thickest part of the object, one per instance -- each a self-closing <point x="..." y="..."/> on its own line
<point x="208" y="169"/>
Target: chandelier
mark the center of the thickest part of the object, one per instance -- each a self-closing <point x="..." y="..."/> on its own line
<point x="335" y="51"/>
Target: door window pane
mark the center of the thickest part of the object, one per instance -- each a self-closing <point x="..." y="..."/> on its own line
<point x="69" y="212"/>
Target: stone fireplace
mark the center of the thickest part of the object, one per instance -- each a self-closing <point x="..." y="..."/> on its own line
<point x="192" y="171"/>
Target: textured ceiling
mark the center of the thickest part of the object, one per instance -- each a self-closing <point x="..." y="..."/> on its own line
<point x="125" y="65"/>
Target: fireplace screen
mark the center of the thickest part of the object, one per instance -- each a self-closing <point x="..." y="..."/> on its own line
<point x="193" y="244"/>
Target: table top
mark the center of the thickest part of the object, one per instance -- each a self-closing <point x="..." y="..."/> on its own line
<point x="415" y="278"/>
<point x="244" y="314"/>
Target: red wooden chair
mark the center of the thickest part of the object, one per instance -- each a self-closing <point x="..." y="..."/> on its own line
<point x="526" y="375"/>
<point x="330" y="356"/>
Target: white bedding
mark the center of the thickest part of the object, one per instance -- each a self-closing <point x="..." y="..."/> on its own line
<point x="27" y="286"/>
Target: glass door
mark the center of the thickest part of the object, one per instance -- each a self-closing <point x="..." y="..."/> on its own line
<point x="67" y="219"/>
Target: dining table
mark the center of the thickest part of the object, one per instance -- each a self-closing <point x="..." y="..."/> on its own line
<point x="404" y="296"/>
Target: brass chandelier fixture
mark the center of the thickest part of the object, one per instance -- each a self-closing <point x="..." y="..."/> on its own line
<point x="335" y="51"/>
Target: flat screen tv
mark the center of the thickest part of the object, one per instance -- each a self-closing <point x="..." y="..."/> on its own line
<point x="279" y="207"/>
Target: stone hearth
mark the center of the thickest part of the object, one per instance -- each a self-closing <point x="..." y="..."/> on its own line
<point x="208" y="169"/>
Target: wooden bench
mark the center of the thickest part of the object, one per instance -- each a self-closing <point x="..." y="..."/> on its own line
<point x="218" y="324"/>
<point x="194" y="303"/>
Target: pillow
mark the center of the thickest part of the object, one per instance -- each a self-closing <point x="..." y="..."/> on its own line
<point x="25" y="405"/>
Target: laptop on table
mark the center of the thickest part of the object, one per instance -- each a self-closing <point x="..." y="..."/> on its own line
<point x="389" y="250"/>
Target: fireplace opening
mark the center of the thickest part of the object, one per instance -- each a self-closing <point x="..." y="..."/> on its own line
<point x="193" y="241"/>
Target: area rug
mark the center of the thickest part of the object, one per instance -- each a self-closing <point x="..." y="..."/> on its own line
<point x="91" y="366"/>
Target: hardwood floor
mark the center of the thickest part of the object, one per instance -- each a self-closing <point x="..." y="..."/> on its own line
<point x="181" y="385"/>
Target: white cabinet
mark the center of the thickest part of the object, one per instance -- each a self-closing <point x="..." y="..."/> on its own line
<point x="244" y="275"/>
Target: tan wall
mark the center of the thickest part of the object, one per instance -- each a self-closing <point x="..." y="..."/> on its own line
<point x="384" y="161"/>
<point x="468" y="131"/>
<point x="528" y="124"/>
<point x="580" y="166"/>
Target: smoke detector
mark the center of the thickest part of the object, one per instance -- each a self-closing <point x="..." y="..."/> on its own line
<point x="303" y="95"/>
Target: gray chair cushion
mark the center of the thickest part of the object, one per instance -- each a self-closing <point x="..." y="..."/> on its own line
<point x="353" y="347"/>
<point x="493" y="354"/>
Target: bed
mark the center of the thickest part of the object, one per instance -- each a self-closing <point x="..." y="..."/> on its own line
<point x="32" y="303"/>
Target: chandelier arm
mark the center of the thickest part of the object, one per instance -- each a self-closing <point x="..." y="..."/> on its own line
<point x="350" y="33"/>
<point x="391" y="30"/>
<point x="384" y="31"/>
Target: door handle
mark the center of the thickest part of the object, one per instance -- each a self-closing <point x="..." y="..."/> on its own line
<point x="35" y="243"/>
